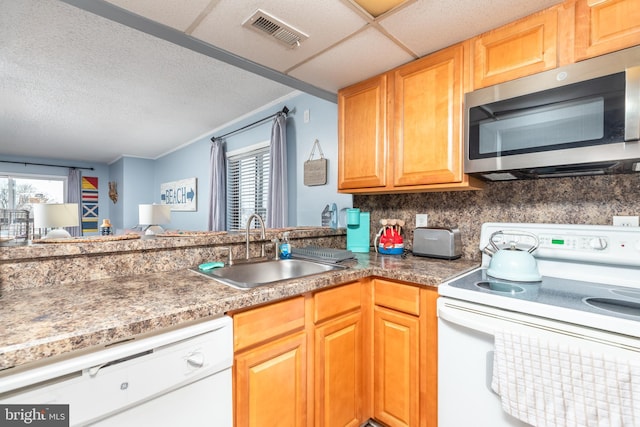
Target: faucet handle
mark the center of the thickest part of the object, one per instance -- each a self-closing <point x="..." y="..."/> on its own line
<point x="229" y="256"/>
<point x="276" y="248"/>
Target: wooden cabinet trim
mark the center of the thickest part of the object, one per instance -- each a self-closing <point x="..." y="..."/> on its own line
<point x="428" y="358"/>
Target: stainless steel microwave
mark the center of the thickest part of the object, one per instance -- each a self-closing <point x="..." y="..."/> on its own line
<point x="581" y="119"/>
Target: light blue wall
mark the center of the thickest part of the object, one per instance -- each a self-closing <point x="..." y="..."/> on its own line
<point x="137" y="176"/>
<point x="100" y="170"/>
<point x="139" y="180"/>
<point x="188" y="162"/>
<point x="116" y="174"/>
<point x="323" y="126"/>
<point x="305" y="203"/>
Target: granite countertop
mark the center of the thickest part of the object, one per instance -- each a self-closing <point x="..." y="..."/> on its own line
<point x="52" y="322"/>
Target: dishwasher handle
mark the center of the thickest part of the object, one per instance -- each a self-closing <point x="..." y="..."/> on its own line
<point x="195" y="359"/>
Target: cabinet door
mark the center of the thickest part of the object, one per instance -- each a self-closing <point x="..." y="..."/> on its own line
<point x="339" y="372"/>
<point x="270" y="384"/>
<point x="427" y="119"/>
<point x="362" y="140"/>
<point x="396" y="362"/>
<point x="604" y="26"/>
<point x="516" y="50"/>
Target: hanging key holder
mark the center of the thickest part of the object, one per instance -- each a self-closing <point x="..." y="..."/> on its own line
<point x="315" y="171"/>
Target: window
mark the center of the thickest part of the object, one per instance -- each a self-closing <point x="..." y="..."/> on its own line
<point x="247" y="184"/>
<point x="20" y="192"/>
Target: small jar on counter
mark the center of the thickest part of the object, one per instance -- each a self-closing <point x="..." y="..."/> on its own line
<point x="105" y="228"/>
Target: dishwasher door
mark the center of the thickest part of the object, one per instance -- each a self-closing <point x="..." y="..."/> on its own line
<point x="206" y="402"/>
<point x="181" y="377"/>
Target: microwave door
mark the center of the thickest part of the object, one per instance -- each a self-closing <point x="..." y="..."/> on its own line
<point x="578" y="115"/>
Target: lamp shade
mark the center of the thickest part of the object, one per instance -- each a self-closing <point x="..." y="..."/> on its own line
<point x="154" y="214"/>
<point x="53" y="215"/>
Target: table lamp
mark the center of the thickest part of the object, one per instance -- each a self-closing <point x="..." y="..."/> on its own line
<point x="56" y="216"/>
<point x="152" y="216"/>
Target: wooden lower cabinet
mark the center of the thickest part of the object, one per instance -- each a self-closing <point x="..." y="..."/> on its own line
<point x="362" y="350"/>
<point x="405" y="354"/>
<point x="271" y="384"/>
<point x="396" y="362"/>
<point x="339" y="372"/>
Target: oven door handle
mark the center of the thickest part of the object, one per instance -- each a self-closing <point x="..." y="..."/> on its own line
<point x="464" y="317"/>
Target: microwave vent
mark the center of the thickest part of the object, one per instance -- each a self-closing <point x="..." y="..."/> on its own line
<point x="275" y="29"/>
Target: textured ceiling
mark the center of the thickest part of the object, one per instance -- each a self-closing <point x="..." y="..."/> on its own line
<point x="115" y="79"/>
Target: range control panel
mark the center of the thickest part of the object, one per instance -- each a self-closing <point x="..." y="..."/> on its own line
<point x="604" y="244"/>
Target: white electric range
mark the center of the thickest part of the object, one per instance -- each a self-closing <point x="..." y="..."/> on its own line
<point x="587" y="304"/>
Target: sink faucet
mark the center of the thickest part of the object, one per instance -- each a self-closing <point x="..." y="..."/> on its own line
<point x="262" y="232"/>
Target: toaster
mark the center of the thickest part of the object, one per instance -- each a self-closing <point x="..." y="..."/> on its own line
<point x="437" y="242"/>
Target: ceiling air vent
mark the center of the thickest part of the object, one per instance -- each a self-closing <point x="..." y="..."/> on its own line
<point x="274" y="28"/>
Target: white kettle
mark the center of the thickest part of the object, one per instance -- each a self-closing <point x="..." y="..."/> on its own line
<point x="512" y="263"/>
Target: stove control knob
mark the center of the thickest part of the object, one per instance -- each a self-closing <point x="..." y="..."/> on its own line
<point x="598" y="243"/>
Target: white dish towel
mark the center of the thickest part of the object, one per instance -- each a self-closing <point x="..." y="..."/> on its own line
<point x="546" y="383"/>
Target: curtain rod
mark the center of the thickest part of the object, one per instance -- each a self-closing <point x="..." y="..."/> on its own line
<point x="44" y="164"/>
<point x="284" y="111"/>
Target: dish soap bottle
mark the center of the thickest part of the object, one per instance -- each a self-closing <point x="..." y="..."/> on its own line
<point x="285" y="247"/>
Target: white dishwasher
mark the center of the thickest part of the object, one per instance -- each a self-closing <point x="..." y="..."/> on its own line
<point x="182" y="377"/>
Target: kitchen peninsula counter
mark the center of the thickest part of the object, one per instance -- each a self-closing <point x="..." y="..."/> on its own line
<point x="45" y="323"/>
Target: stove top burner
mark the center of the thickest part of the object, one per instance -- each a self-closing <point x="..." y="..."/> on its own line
<point x="502" y="287"/>
<point x="578" y="295"/>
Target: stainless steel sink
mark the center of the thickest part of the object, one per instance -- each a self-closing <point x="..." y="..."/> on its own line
<point x="251" y="275"/>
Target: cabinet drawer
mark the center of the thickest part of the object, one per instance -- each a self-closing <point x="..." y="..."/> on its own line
<point x="264" y="323"/>
<point x="336" y="301"/>
<point x="397" y="296"/>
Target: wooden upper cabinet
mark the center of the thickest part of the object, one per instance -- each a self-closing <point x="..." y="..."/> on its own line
<point x="362" y="139"/>
<point x="519" y="49"/>
<point x="604" y="26"/>
<point x="402" y="131"/>
<point x="427" y="113"/>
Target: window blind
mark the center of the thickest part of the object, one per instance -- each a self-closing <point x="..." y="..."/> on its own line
<point x="247" y="187"/>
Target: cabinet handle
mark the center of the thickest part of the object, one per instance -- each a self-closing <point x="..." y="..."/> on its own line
<point x="632" y="113"/>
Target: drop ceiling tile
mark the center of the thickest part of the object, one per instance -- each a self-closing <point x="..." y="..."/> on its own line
<point x="352" y="61"/>
<point x="178" y="14"/>
<point x="325" y="22"/>
<point x="427" y="25"/>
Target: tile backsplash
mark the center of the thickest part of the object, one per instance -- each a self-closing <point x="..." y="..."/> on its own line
<point x="579" y="200"/>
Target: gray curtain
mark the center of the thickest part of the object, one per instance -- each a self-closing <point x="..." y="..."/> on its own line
<point x="278" y="194"/>
<point x="218" y="187"/>
<point x="73" y="196"/>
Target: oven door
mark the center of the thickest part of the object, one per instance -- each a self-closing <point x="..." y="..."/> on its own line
<point x="466" y="354"/>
